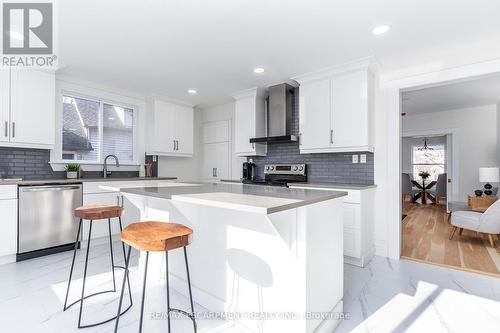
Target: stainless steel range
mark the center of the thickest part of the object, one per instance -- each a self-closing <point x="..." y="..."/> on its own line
<point x="281" y="175"/>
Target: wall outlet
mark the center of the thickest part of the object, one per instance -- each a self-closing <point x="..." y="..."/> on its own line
<point x="354" y="158"/>
<point x="362" y="158"/>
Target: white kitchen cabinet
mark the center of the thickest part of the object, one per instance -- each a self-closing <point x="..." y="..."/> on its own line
<point x="216" y="157"/>
<point x="27" y="109"/>
<point x="8" y="211"/>
<point x="216" y="131"/>
<point x="249" y="122"/>
<point x="4" y="104"/>
<point x="314" y="116"/>
<point x="170" y="129"/>
<point x="358" y="211"/>
<point x="336" y="109"/>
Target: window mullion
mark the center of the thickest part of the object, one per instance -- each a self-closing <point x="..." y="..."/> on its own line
<point x="101" y="131"/>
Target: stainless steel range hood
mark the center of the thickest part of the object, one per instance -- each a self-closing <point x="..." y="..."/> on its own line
<point x="279" y="115"/>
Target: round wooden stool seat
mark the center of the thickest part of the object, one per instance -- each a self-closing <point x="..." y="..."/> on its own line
<point x="98" y="212"/>
<point x="156" y="236"/>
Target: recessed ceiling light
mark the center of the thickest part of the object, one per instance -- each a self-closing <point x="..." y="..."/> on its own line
<point x="192" y="91"/>
<point x="259" y="70"/>
<point x="381" y="29"/>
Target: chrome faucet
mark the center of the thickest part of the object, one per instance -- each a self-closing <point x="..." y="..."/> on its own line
<point x="105" y="171"/>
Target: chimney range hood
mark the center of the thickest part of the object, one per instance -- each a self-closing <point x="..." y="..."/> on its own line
<point x="279" y="115"/>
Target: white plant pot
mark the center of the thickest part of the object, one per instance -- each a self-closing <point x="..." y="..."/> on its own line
<point x="71" y="174"/>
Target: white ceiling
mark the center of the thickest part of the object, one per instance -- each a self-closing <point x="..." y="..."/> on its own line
<point x="483" y="91"/>
<point x="168" y="46"/>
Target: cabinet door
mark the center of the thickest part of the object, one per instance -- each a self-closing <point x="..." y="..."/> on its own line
<point x="8" y="236"/>
<point x="32" y="108"/>
<point x="164" y="127"/>
<point x="4" y="104"/>
<point x="216" y="159"/>
<point x="349" y="120"/>
<point x="314" y="119"/>
<point x="216" y="131"/>
<point x="184" y="123"/>
<point x="209" y="160"/>
<point x="100" y="227"/>
<point x="244" y="127"/>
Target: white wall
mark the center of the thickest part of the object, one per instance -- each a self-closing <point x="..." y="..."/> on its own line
<point x="406" y="149"/>
<point x="477" y="139"/>
<point x="217" y="113"/>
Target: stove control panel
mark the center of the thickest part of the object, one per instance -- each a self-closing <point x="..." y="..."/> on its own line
<point x="285" y="169"/>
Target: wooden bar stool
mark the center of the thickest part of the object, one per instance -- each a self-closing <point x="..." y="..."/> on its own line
<point x="93" y="213"/>
<point x="157" y="236"/>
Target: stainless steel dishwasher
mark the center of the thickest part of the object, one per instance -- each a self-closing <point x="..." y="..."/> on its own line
<point x="46" y="220"/>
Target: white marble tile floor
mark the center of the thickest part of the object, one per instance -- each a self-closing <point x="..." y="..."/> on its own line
<point x="385" y="296"/>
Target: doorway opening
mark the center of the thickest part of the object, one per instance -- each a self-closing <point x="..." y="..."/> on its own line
<point x="449" y="133"/>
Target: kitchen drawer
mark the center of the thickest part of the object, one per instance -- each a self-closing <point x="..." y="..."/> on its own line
<point x="352" y="243"/>
<point x="352" y="215"/>
<point x="8" y="192"/>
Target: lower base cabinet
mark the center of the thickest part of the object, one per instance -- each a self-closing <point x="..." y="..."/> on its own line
<point x="8" y="236"/>
<point x="358" y="210"/>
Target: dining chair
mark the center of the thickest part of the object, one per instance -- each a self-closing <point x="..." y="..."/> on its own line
<point x="407" y="187"/>
<point x="439" y="191"/>
<point x="487" y="222"/>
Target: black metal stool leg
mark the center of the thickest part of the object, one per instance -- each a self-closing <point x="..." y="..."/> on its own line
<point x="125" y="277"/>
<point x="72" y="264"/>
<point x="168" y="291"/>
<point x="84" y="275"/>
<point x="190" y="293"/>
<point x="124" y="258"/>
<point x="112" y="256"/>
<point x="143" y="291"/>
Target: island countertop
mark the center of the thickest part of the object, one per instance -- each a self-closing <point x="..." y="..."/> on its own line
<point x="251" y="198"/>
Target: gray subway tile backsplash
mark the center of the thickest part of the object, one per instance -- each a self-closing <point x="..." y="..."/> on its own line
<point x="328" y="167"/>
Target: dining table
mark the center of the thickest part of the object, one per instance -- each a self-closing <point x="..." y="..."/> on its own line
<point x="424" y="188"/>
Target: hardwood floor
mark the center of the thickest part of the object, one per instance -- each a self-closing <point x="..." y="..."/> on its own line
<point x="426" y="238"/>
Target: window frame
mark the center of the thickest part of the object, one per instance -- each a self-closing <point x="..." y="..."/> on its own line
<point x="101" y="101"/>
<point x="413" y="146"/>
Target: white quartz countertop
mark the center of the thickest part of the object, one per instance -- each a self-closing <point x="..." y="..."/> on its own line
<point x="251" y="198"/>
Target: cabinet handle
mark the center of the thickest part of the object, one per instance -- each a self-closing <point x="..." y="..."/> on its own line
<point x="177" y="144"/>
<point x="253" y="145"/>
<point x="174" y="144"/>
<point x="215" y="172"/>
<point x="6" y="129"/>
<point x="331" y="136"/>
<point x="300" y="139"/>
<point x="13" y="129"/>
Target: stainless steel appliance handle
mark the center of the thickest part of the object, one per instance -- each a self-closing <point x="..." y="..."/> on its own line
<point x="50" y="188"/>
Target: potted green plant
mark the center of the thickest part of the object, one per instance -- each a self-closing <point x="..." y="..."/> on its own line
<point x="72" y="170"/>
<point x="424" y="175"/>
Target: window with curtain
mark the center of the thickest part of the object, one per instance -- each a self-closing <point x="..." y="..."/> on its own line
<point x="433" y="161"/>
<point x="93" y="129"/>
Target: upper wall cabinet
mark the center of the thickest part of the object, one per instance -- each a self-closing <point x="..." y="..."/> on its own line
<point x="249" y="122"/>
<point x="170" y="129"/>
<point x="27" y="109"/>
<point x="336" y="109"/>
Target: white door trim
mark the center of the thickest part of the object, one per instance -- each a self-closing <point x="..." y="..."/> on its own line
<point x="391" y="92"/>
<point x="454" y="171"/>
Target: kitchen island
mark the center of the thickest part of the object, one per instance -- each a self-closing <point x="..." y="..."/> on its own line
<point x="267" y="258"/>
